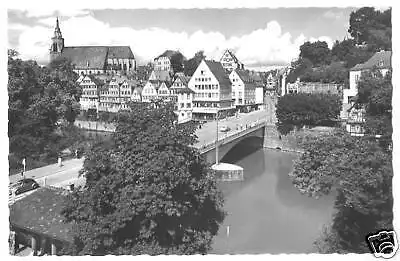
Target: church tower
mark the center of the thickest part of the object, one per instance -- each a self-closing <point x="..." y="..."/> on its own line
<point x="57" y="43"/>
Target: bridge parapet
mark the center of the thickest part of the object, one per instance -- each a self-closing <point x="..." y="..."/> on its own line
<point x="230" y="136"/>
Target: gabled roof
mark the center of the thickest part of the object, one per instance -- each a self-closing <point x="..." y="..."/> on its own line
<point x="157" y="84"/>
<point x="138" y="89"/>
<point x="244" y="76"/>
<point x="160" y="75"/>
<point x="94" y="57"/>
<point x="235" y="59"/>
<point x="40" y="212"/>
<point x="219" y="73"/>
<point x="375" y="61"/>
<point x="87" y="57"/>
<point x="96" y="80"/>
<point x="120" y="52"/>
<point x="183" y="78"/>
<point x="167" y="53"/>
<point x="183" y="90"/>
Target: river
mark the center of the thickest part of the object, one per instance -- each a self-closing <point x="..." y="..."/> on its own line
<point x="266" y="213"/>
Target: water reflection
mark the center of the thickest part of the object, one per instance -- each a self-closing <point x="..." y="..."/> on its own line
<point x="266" y="213"/>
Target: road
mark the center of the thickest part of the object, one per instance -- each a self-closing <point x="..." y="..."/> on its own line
<point x="207" y="133"/>
<point x="53" y="175"/>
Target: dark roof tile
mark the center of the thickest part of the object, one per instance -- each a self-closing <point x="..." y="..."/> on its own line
<point x="374" y="61"/>
<point x="41" y="212"/>
<point x="219" y="73"/>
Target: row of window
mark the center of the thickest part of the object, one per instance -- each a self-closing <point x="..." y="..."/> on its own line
<point x="206" y="105"/>
<point x="208" y="79"/>
<point x="206" y="95"/>
<point x="206" y="86"/>
<point x="188" y="105"/>
<point x="116" y="93"/>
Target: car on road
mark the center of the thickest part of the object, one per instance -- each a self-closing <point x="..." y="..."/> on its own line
<point x="22" y="186"/>
<point x="224" y="129"/>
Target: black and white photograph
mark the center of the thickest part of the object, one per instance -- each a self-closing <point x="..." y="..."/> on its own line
<point x="216" y="128"/>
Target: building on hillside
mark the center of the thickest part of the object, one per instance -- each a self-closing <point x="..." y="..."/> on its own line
<point x="317" y="87"/>
<point x="380" y="60"/>
<point x="212" y="92"/>
<point x="281" y="79"/>
<point x="183" y="97"/>
<point x="270" y="85"/>
<point x="230" y="62"/>
<point x="90" y="92"/>
<point x="92" y="59"/>
<point x="355" y="120"/>
<point x="163" y="61"/>
<point x="155" y="90"/>
<point x="243" y="90"/>
<point x="137" y="94"/>
<point x="353" y="115"/>
<point x="116" y="94"/>
<point x="314" y="87"/>
<point x="163" y="76"/>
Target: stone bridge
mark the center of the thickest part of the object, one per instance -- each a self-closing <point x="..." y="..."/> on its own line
<point x="229" y="140"/>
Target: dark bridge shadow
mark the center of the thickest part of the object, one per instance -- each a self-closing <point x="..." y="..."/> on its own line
<point x="244" y="148"/>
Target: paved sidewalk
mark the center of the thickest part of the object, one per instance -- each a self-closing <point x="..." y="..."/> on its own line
<point x="49" y="170"/>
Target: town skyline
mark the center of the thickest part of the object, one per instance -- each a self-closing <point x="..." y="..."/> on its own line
<point x="261" y="38"/>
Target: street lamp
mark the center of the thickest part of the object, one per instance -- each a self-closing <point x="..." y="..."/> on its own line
<point x="216" y="141"/>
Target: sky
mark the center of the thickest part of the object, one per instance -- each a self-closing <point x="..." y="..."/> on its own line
<point x="260" y="37"/>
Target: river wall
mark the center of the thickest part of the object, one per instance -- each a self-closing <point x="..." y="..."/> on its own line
<point x="95" y="125"/>
<point x="292" y="141"/>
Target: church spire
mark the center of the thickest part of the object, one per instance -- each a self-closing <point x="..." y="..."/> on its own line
<point x="57" y="31"/>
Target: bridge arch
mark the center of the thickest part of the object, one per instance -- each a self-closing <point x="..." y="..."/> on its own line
<point x="243" y="148"/>
<point x="256" y="137"/>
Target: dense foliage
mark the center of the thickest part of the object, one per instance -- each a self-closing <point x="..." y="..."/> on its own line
<point x="361" y="173"/>
<point x="41" y="101"/>
<point x="191" y="65"/>
<point x="147" y="191"/>
<point x="358" y="168"/>
<point x="375" y="94"/>
<point x="372" y="27"/>
<point x="177" y="60"/>
<point x="294" y="111"/>
<point x="371" y="31"/>
<point x="318" y="53"/>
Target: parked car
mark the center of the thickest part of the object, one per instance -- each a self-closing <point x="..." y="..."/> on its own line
<point x="224" y="129"/>
<point x="23" y="185"/>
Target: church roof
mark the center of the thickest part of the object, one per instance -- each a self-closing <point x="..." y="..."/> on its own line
<point x="87" y="57"/>
<point x="120" y="52"/>
<point x="95" y="57"/>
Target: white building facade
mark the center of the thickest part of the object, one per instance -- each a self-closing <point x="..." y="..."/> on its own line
<point x="212" y="91"/>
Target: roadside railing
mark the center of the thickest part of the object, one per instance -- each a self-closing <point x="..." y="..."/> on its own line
<point x="242" y="130"/>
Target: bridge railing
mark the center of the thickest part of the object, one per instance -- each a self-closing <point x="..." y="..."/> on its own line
<point x="233" y="134"/>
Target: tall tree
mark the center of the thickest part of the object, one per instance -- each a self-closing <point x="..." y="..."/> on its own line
<point x="375" y="94"/>
<point x="361" y="174"/>
<point x="371" y="27"/>
<point x="317" y="52"/>
<point x="192" y="64"/>
<point x="341" y="49"/>
<point x="148" y="191"/>
<point x="177" y="60"/>
<point x="38" y="98"/>
<point x="293" y="111"/>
